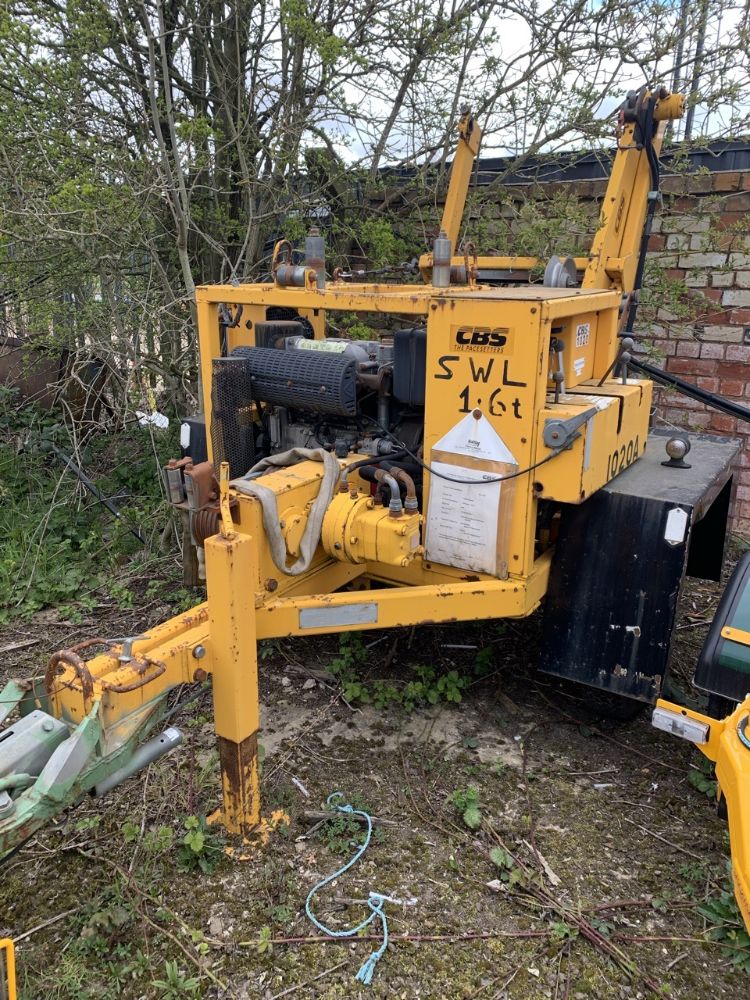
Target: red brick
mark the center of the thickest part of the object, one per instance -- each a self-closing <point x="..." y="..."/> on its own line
<point x="696" y="366"/>
<point x="728" y="239"/>
<point x="712" y="293"/>
<point x="709" y="384"/>
<point x="715" y="351"/>
<point x="738" y="352"/>
<point x="724" y="423"/>
<point x="675" y="273"/>
<point x="732" y="387"/>
<point x="731" y="220"/>
<point x="739" y="316"/>
<point x="743" y="493"/>
<point x="737" y="203"/>
<point x="726" y="370"/>
<point x="716" y="318"/>
<point x="727" y="180"/>
<point x="688" y="349"/>
<point x="656" y="242"/>
<point x="743" y="477"/>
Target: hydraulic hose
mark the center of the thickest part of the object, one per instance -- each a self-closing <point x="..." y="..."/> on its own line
<point x="361" y="463"/>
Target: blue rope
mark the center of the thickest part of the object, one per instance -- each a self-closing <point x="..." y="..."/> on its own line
<point x="375" y="900"/>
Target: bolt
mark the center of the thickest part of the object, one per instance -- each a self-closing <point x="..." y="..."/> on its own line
<point x="271" y="584"/>
<point x="48" y="725"/>
<point x="199" y="651"/>
<point x="200" y="675"/>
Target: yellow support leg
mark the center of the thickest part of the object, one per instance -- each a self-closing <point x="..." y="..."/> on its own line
<point x="231" y="568"/>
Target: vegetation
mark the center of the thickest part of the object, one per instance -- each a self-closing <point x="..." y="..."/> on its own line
<point x="59" y="544"/>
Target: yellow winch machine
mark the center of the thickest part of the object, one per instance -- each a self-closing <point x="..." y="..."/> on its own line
<point x="488" y="449"/>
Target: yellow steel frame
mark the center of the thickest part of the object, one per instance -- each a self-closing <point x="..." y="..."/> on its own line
<point x="613" y="259"/>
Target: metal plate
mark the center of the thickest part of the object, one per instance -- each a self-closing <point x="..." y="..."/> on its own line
<point x="346" y="614"/>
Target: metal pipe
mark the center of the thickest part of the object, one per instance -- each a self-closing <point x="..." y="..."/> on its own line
<point x="93" y="489"/>
<point x="146" y="754"/>
<point x="395" y="506"/>
<point x="694" y="391"/>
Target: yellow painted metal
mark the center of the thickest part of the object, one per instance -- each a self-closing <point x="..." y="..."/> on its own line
<point x="227" y="526"/>
<point x="469" y="138"/>
<point x="611" y="440"/>
<point x="732" y="759"/>
<point x="468" y="600"/>
<point x="231" y="563"/>
<point x="7" y="970"/>
<point x="736" y="635"/>
<point x="615" y="249"/>
<point x="357" y="530"/>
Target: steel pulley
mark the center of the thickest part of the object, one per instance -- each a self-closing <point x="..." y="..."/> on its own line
<point x="560" y="272"/>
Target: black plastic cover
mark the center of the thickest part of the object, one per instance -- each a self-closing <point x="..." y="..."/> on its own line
<point x="316" y="381"/>
<point x="715" y="671"/>
<point x="410" y="365"/>
<point x="197" y="448"/>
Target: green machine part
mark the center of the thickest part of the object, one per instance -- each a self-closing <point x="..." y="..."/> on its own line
<point x="724" y="664"/>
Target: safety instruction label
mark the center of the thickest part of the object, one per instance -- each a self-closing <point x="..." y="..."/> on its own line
<point x="463" y="521"/>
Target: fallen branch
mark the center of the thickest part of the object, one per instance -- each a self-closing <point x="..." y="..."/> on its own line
<point x="47" y="923"/>
<point x="669" y="843"/>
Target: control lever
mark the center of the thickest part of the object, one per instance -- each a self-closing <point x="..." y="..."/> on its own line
<point x="559" y="434"/>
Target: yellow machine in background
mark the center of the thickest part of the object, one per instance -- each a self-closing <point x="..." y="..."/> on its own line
<point x="426" y="475"/>
<point x="7" y="971"/>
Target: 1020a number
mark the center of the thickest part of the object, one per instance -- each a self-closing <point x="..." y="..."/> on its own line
<point x="623" y="456"/>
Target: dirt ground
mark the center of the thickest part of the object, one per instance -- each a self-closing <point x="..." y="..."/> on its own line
<point x="596" y="846"/>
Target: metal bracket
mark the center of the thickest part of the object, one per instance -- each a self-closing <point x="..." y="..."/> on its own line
<point x="127" y="642"/>
<point x="562" y="433"/>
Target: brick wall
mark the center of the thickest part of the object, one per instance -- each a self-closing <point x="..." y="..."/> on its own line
<point x="696" y="315"/>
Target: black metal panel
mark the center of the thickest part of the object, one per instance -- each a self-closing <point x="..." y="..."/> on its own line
<point x="616" y="578"/>
<point x="612" y="597"/>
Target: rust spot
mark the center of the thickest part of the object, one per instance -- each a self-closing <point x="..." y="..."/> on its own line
<point x="200" y="675"/>
<point x="470" y="578"/>
<point x="271" y="584"/>
<point x="239" y="763"/>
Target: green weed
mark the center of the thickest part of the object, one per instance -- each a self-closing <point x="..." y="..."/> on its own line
<point x="201" y="848"/>
<point x="466" y="803"/>
<point x="725" y="924"/>
<point x="174" y="985"/>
